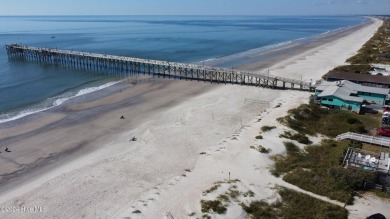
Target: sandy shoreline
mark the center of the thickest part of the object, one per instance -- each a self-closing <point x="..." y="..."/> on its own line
<point x="80" y="163"/>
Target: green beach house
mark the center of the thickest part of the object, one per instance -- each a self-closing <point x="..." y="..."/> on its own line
<point x="348" y="95"/>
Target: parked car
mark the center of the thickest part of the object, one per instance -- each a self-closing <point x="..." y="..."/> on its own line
<point x="384" y="131"/>
<point x="386" y="108"/>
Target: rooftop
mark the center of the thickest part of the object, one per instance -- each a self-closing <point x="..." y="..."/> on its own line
<point x="375" y="79"/>
<point x="339" y="91"/>
<point x="347" y="90"/>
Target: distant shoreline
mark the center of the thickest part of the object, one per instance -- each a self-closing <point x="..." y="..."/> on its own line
<point x="256" y="59"/>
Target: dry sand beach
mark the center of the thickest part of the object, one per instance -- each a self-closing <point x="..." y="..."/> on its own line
<point x="78" y="162"/>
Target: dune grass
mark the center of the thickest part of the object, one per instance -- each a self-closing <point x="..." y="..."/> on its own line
<point x="212" y="189"/>
<point x="209" y="206"/>
<point x="259" y="137"/>
<point x="294" y="205"/>
<point x="261" y="149"/>
<point x="356" y="68"/>
<point x="299" y="137"/>
<point x="311" y="119"/>
<point x="318" y="169"/>
<point x="267" y="128"/>
<point x="375" y="50"/>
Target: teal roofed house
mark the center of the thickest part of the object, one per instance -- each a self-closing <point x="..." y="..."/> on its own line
<point x="347" y="95"/>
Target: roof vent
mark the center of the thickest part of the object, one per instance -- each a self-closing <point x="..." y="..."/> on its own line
<point x="338" y="83"/>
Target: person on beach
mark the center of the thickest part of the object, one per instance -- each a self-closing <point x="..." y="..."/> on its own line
<point x="122" y="117"/>
<point x="7" y="150"/>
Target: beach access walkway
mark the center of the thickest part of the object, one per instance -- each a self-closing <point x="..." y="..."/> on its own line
<point x="121" y="65"/>
<point x="381" y="141"/>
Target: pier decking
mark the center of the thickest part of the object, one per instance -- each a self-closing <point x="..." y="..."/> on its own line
<point x="121" y="65"/>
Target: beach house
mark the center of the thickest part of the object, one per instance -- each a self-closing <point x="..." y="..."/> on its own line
<point x="348" y="95"/>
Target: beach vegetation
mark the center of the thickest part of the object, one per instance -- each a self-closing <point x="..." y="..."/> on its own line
<point x="267" y="128"/>
<point x="223" y="198"/>
<point x="380" y="194"/>
<point x="372" y="148"/>
<point x="212" y="189"/>
<point x="206" y="216"/>
<point x="361" y="68"/>
<point x="259" y="137"/>
<point x="261" y="209"/>
<point x="376" y="49"/>
<point x="294" y="204"/>
<point x="261" y="149"/>
<point x="249" y="193"/>
<point x="234" y="193"/>
<point x="233" y="181"/>
<point x="311" y="119"/>
<point x="210" y="206"/>
<point x="299" y="137"/>
<point x="317" y="168"/>
<point x="291" y="147"/>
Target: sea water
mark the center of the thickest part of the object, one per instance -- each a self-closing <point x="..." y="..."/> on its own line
<point x="27" y="88"/>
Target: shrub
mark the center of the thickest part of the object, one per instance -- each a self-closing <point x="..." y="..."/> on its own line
<point x="301" y="138"/>
<point x="212" y="189"/>
<point x="318" y="170"/>
<point x="267" y="128"/>
<point x="223" y="197"/>
<point x="310" y="119"/>
<point x="264" y="150"/>
<point x="353" y="179"/>
<point x="249" y="193"/>
<point x="303" y="206"/>
<point x="352" y="120"/>
<point x="259" y="137"/>
<point x="192" y="214"/>
<point x="260" y="209"/>
<point x="362" y="69"/>
<point x="291" y="147"/>
<point x="261" y="149"/>
<point x="234" y="194"/>
<point x="295" y="205"/>
<point x="216" y="206"/>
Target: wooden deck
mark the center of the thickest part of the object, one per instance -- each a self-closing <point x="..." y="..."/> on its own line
<point x="356" y="158"/>
<point x="128" y="65"/>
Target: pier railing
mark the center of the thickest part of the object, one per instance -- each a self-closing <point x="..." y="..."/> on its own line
<point x="128" y="65"/>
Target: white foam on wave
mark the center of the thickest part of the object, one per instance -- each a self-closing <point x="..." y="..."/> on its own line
<point x="250" y="52"/>
<point x="51" y="103"/>
<point x="255" y="51"/>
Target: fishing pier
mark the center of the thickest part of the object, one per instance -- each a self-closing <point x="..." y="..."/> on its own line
<point x="123" y="66"/>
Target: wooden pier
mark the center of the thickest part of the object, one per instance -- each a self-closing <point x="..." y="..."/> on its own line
<point x="120" y="65"/>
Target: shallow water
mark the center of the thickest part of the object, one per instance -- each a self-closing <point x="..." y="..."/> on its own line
<point x="28" y="87"/>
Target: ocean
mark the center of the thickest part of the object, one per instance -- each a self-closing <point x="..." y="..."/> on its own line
<point x="27" y="88"/>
